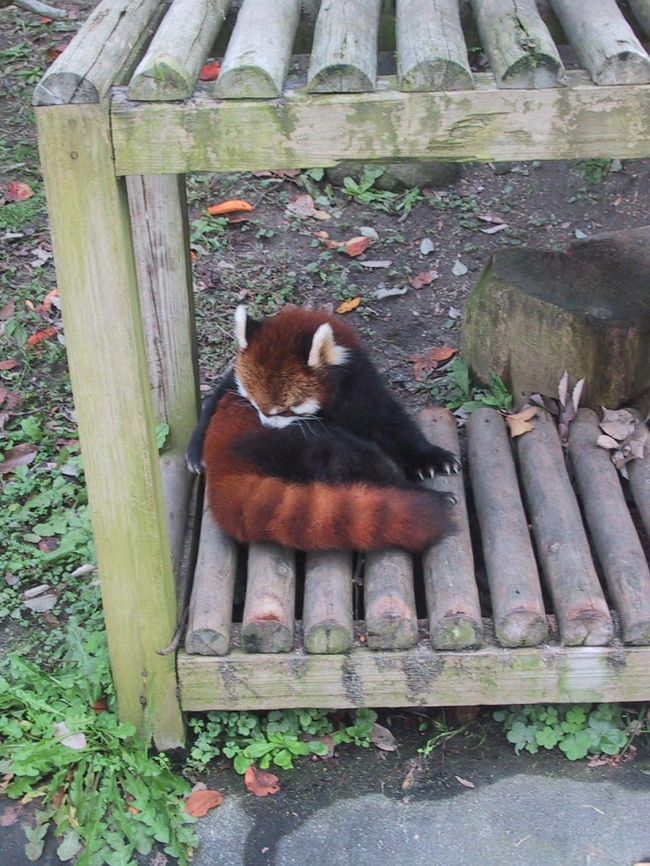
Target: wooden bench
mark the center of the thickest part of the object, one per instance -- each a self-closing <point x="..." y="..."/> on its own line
<point x="121" y="117"/>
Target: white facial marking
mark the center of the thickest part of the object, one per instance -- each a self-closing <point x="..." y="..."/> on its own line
<point x="309" y="407"/>
<point x="277" y="422"/>
<point x="241" y="317"/>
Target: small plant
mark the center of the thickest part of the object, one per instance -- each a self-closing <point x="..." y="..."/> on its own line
<point x="209" y="233"/>
<point x="277" y="738"/>
<point x="364" y="191"/>
<point x="456" y="391"/>
<point x="594" y="171"/>
<point x="577" y="730"/>
<point x="99" y="790"/>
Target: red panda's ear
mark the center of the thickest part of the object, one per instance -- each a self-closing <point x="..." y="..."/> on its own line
<point x="245" y="327"/>
<point x="324" y="350"/>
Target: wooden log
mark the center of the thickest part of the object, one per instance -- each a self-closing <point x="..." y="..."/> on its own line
<point x="93" y="59"/>
<point x="91" y="234"/>
<point x="344" y="56"/>
<point x="604" y="41"/>
<point x="560" y="538"/>
<point x="515" y="592"/>
<point x="639" y="475"/>
<point x="171" y="66"/>
<point x="576" y="122"/>
<point x="431" y="50"/>
<point x="258" y="54"/>
<point x="162" y="257"/>
<point x="391" y="620"/>
<point x="268" y="620"/>
<point x="535" y="313"/>
<point x="327" y="609"/>
<point x="177" y="485"/>
<point x="448" y="567"/>
<point x="615" y="538"/>
<point x="521" y="51"/>
<point x="416" y="677"/>
<point x="641" y="10"/>
<point x="210" y="613"/>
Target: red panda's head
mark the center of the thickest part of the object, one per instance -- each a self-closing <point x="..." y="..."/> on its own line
<point x="285" y="363"/>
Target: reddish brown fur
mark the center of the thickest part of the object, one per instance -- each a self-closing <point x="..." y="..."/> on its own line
<point x="252" y="507"/>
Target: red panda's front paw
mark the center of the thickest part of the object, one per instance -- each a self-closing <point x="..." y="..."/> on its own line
<point x="435" y="461"/>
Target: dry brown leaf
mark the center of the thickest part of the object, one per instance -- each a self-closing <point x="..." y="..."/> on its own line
<point x="383" y="738"/>
<point x="199" y="803"/>
<point x="348" y="306"/>
<point x="430" y="360"/>
<point x="607" y="442"/>
<point x="8" y="310"/>
<point x="76" y="741"/>
<point x="519" y="422"/>
<point x="424" y="278"/>
<point x="8" y="365"/>
<point x="260" y="783"/>
<point x="19" y="455"/>
<point x="303" y="206"/>
<point x="464" y="782"/>
<point x="18" y="191"/>
<point x="355" y="246"/>
<point x="618" y="430"/>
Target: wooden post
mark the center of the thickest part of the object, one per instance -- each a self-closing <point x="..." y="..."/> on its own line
<point x="91" y="234"/>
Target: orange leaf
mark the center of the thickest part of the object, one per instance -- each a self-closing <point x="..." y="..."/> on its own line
<point x="48" y="300"/>
<point x="348" y="306"/>
<point x="210" y="71"/>
<point x="199" y="803"/>
<point x="39" y="336"/>
<point x="260" y="783"/>
<point x="52" y="53"/>
<point x="429" y="361"/>
<point x="356" y="246"/>
<point x="231" y="206"/>
<point x="18" y="191"/>
<point x="519" y="422"/>
<point x="424" y="278"/>
<point x="8" y="365"/>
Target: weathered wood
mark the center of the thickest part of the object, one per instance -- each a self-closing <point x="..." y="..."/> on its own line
<point x="560" y="538"/>
<point x="604" y="41"/>
<point x="210" y="613"/>
<point x="171" y="66"/>
<point x="93" y="59"/>
<point x="479" y="125"/>
<point x="391" y="620"/>
<point x="614" y="536"/>
<point x="431" y="50"/>
<point x="258" y="54"/>
<point x="268" y="619"/>
<point x="521" y="51"/>
<point x="639" y="474"/>
<point x="415" y="677"/>
<point x="177" y="486"/>
<point x="162" y="259"/>
<point x="641" y="10"/>
<point x="448" y="567"/>
<point x="515" y="592"/>
<point x="344" y="56"/>
<point x="535" y="313"/>
<point x="91" y="234"/>
<point x="327" y="608"/>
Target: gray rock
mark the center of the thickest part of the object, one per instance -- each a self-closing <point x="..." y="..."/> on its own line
<point x="399" y="176"/>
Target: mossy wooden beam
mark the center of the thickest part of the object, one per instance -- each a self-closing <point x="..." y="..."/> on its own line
<point x="91" y="234"/>
<point x="415" y="677"/>
<point x="300" y="130"/>
<point x="344" y="56"/>
<point x="327" y="607"/>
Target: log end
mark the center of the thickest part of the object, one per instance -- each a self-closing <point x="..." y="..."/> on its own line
<point x="246" y="82"/>
<point x="436" y="75"/>
<point x="207" y="642"/>
<point x="163" y="80"/>
<point x="456" y="632"/>
<point x="266" y="637"/>
<point x="587" y="628"/>
<point x="521" y="628"/>
<point x="64" y="88"/>
<point x="342" y="78"/>
<point x="328" y="637"/>
<point x="623" y="68"/>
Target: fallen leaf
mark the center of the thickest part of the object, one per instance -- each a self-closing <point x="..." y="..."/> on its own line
<point x="426" y="246"/>
<point x="260" y="783"/>
<point x="11" y="814"/>
<point x="210" y="71"/>
<point x="492" y="230"/>
<point x="19" y="455"/>
<point x="8" y="365"/>
<point x="464" y="782"/>
<point x="199" y="803"/>
<point x="8" y="310"/>
<point x="519" y="422"/>
<point x="47" y="545"/>
<point x="430" y="360"/>
<point x="607" y="442"/>
<point x="100" y="706"/>
<point x="18" y="191"/>
<point x="414" y="772"/>
<point x="459" y="269"/>
<point x="618" y="430"/>
<point x="345" y="307"/>
<point x="376" y="263"/>
<point x="83" y="570"/>
<point x="424" y="278"/>
<point x="383" y="738"/>
<point x="380" y="294"/>
<point x="563" y="387"/>
<point x="76" y="741"/>
<point x="369" y="232"/>
<point x="51" y="299"/>
<point x="53" y="52"/>
<point x="355" y="246"/>
<point x="40" y="598"/>
<point x="233" y="205"/>
<point x="303" y="206"/>
<point x="39" y="336"/>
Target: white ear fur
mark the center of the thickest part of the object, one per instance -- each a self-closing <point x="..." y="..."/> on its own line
<point x="241" y="317"/>
<point x="324" y="349"/>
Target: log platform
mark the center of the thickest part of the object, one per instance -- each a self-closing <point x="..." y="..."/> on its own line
<point x="565" y="611"/>
<point x="122" y="115"/>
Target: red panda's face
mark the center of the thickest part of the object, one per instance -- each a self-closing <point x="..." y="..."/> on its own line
<point x="283" y="362"/>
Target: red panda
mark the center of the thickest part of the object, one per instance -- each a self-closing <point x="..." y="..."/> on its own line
<point x="303" y="445"/>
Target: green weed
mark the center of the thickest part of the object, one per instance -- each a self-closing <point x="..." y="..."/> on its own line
<point x="363" y="191"/>
<point x="456" y="391"/>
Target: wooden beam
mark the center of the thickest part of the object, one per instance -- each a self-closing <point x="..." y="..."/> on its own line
<point x="268" y="619"/>
<point x="94" y="58"/>
<point x="201" y="134"/>
<point x="91" y="234"/>
<point x="391" y="620"/>
<point x="431" y="50"/>
<point x="170" y="68"/>
<point x="415" y="677"/>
